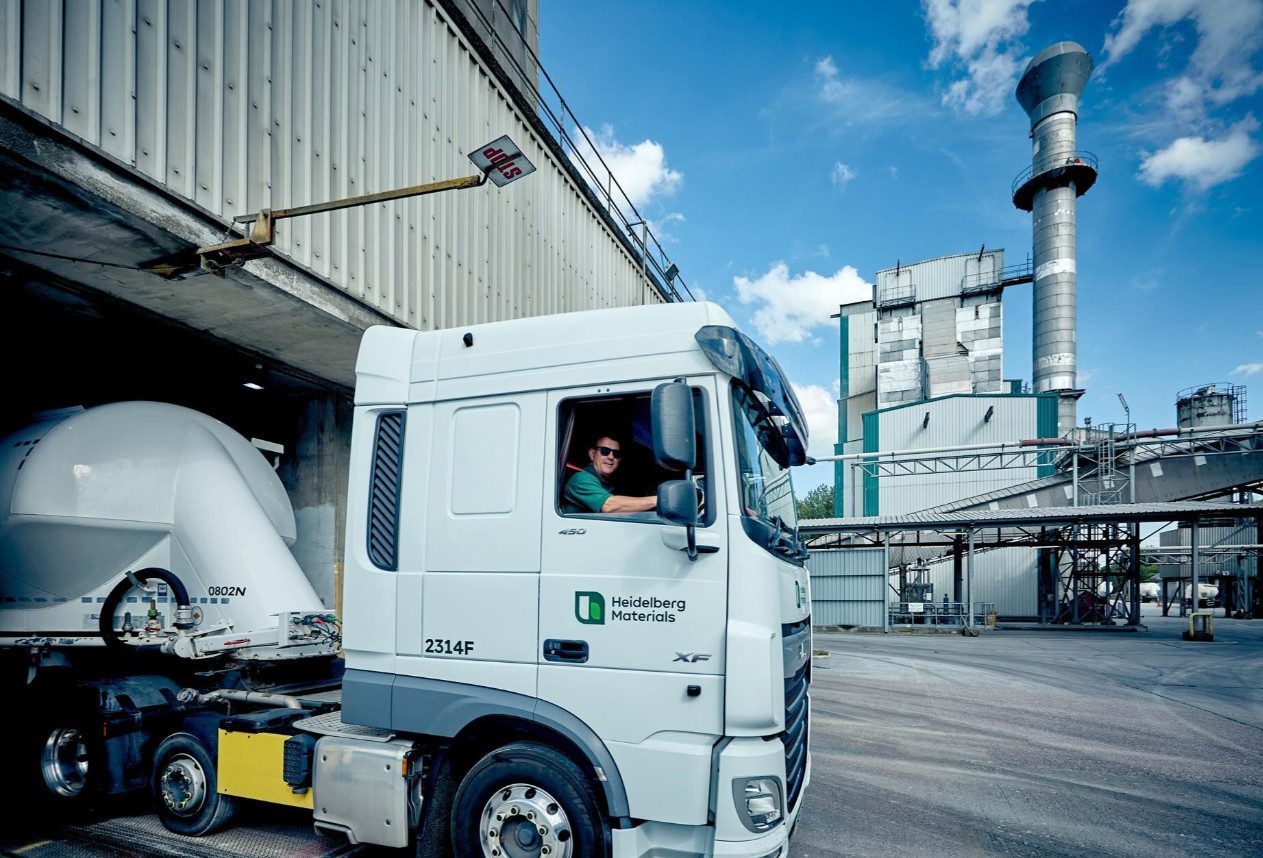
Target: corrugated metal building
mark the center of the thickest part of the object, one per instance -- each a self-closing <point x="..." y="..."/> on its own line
<point x="1214" y="561"/>
<point x="1005" y="577"/>
<point x="848" y="587"/>
<point x="943" y="422"/>
<point x="921" y="369"/>
<point x="133" y="131"/>
<point x="238" y="106"/>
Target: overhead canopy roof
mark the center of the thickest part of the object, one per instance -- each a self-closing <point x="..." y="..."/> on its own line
<point x="1036" y="517"/>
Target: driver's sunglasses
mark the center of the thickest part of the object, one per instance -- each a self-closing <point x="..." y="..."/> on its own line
<point x="610" y="451"/>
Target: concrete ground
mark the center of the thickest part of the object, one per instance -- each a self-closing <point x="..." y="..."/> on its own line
<point x="1037" y="743"/>
<point x="1012" y="743"/>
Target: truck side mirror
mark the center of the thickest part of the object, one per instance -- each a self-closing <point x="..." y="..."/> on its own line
<point x="677" y="502"/>
<point x="674" y="427"/>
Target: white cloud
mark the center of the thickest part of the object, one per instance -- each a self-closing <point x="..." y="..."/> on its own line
<point x="1220" y="69"/>
<point x="981" y="37"/>
<point x="639" y="168"/>
<point x="841" y="174"/>
<point x="866" y="101"/>
<point x="1247" y="369"/>
<point x="1201" y="162"/>
<point x="789" y="308"/>
<point x="821" y="410"/>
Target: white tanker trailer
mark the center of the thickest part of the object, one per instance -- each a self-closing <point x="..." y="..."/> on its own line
<point x="93" y="501"/>
<point x="138" y="541"/>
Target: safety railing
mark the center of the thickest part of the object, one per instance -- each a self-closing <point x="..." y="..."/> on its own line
<point x="1078" y="158"/>
<point x="941" y="614"/>
<point x="897" y="296"/>
<point x="581" y="150"/>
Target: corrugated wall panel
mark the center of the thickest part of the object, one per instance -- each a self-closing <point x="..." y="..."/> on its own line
<point x="848" y="587"/>
<point x="1005" y="577"/>
<point x="238" y="105"/>
<point x="954" y="421"/>
<point x="941" y="277"/>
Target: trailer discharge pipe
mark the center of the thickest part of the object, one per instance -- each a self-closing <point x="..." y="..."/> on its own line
<point x="258" y="698"/>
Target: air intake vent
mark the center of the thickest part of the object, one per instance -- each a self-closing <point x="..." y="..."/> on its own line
<point x="383" y="491"/>
<point x="797" y="712"/>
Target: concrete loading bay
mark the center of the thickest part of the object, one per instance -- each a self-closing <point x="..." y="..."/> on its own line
<point x="1012" y="743"/>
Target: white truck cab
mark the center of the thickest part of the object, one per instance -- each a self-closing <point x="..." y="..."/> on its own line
<point x="471" y="597"/>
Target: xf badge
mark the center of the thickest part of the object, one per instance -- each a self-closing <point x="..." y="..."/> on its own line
<point x="691" y="657"/>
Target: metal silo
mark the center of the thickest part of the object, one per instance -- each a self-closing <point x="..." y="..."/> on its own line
<point x="1059" y="173"/>
<point x="1216" y="404"/>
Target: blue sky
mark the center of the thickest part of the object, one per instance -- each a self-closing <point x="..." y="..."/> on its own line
<point x="785" y="153"/>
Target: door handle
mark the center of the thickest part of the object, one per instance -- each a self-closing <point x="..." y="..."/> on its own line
<point x="571" y="652"/>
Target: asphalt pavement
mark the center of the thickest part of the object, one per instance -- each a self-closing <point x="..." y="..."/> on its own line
<point x="1037" y="743"/>
<point x="1012" y="743"/>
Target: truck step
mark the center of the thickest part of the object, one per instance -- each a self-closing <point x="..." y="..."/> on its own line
<point x="330" y="724"/>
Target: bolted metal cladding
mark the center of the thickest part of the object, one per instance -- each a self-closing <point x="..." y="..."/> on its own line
<point x="1049" y="93"/>
<point x="1054" y="320"/>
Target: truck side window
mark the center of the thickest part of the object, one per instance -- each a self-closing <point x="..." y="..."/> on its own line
<point x="625" y="419"/>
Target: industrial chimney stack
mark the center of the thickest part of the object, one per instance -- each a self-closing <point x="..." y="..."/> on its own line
<point x="1059" y="173"/>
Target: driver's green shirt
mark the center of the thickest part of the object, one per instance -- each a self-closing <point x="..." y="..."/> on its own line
<point x="585" y="492"/>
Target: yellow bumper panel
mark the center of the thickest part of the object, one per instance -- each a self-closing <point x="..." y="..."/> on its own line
<point x="252" y="765"/>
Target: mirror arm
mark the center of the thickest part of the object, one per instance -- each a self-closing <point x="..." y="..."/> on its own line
<point x="691" y="529"/>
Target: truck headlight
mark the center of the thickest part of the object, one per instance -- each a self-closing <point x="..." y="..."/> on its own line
<point x="760" y="806"/>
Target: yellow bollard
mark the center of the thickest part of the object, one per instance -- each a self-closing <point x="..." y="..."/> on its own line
<point x="1201" y="626"/>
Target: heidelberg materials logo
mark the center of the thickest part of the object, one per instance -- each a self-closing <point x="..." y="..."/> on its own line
<point x="589" y="608"/>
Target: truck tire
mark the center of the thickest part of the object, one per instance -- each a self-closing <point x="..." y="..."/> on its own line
<point x="522" y="798"/>
<point x="185" y="787"/>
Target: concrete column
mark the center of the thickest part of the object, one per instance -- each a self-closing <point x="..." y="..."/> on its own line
<point x="316" y="476"/>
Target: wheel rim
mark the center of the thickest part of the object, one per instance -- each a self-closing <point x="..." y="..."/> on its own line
<point x="524" y="821"/>
<point x="183" y="785"/>
<point x="64" y="762"/>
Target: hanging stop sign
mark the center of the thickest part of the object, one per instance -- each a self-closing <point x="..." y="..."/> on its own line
<point x="502" y="161"/>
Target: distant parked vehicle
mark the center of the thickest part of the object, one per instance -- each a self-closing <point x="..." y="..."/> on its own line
<point x="1150" y="591"/>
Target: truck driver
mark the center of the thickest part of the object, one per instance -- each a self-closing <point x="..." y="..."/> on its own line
<point x="591" y="489"/>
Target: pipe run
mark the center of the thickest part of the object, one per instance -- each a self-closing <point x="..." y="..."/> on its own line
<point x="1029" y="442"/>
<point x="1240" y="428"/>
<point x="259" y="698"/>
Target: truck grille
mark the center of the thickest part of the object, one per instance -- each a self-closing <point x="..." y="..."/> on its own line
<point x="795" y="735"/>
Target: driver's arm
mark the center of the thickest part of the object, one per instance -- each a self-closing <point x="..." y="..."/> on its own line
<point x="627" y="503"/>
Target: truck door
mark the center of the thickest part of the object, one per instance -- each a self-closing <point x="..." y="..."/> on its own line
<point x="478" y="583"/>
<point x="625" y="616"/>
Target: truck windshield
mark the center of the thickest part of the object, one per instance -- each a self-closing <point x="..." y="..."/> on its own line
<point x="767" y="494"/>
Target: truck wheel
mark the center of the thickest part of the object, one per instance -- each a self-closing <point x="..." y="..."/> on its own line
<point x="185" y="786"/>
<point x="526" y="800"/>
<point x="65" y="763"/>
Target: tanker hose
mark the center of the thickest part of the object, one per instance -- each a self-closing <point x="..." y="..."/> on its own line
<point x="111" y="637"/>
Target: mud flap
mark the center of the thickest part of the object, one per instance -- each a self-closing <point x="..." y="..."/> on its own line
<point x="434" y="838"/>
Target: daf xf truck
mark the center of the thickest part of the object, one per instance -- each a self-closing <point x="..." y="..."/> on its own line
<point x="512" y="678"/>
